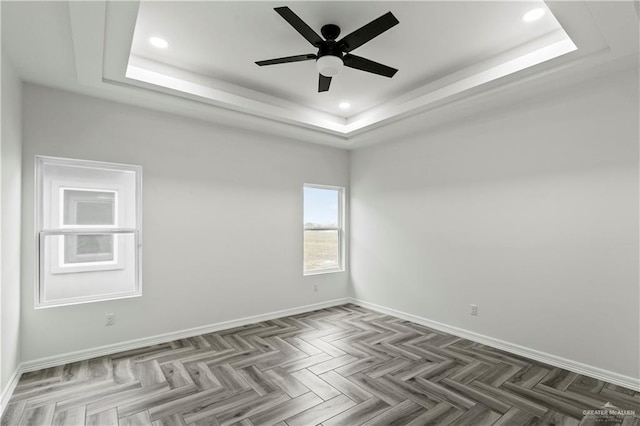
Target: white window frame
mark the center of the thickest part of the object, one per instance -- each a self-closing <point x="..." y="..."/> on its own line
<point x="340" y="228"/>
<point x="118" y="232"/>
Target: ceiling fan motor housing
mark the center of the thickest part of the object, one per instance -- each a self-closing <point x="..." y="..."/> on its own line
<point x="330" y="32"/>
<point x="329" y="62"/>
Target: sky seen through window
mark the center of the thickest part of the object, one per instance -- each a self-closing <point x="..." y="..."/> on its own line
<point x="321" y="207"/>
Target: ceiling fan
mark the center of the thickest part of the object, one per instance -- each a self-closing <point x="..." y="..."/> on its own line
<point x="333" y="55"/>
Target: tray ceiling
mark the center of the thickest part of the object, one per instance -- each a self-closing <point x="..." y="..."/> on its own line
<point x="446" y="52"/>
<point x="215" y="45"/>
<point x="222" y="40"/>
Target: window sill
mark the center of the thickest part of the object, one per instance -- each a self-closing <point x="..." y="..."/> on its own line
<point x="323" y="271"/>
<point x="70" y="302"/>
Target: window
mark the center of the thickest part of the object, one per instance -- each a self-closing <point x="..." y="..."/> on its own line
<point x="323" y="229"/>
<point x="82" y="208"/>
<point x="88" y="231"/>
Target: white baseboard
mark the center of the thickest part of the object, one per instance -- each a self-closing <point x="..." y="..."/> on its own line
<point x="66" y="358"/>
<point x="577" y="367"/>
<point x="7" y="391"/>
<point x="554" y="360"/>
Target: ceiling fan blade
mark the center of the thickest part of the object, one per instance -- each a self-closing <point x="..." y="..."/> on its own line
<point x="305" y="30"/>
<point x="324" y="83"/>
<point x="296" y="58"/>
<point x="363" y="64"/>
<point x="368" y="32"/>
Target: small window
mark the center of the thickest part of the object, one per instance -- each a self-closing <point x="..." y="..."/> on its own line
<point x="88" y="231"/>
<point x="323" y="229"/>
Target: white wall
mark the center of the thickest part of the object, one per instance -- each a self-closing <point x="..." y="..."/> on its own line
<point x="530" y="211"/>
<point x="222" y="219"/>
<point x="10" y="166"/>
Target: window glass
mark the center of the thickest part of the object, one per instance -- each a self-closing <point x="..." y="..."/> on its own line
<point x="321" y="250"/>
<point x="321" y="207"/>
<point x="89" y="248"/>
<point x="83" y="207"/>
<point x="323" y="233"/>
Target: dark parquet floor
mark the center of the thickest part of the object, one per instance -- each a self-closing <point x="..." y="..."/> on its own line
<point x="338" y="366"/>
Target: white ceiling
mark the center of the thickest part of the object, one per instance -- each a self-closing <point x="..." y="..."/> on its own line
<point x="446" y="52"/>
<point x="222" y="40"/>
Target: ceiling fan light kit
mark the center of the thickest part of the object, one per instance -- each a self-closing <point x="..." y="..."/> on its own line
<point x="333" y="55"/>
<point x="329" y="65"/>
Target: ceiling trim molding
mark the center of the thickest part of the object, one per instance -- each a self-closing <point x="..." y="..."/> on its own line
<point x="477" y="102"/>
<point x="204" y="89"/>
<point x="87" y="31"/>
<point x="461" y="82"/>
<point x="102" y="34"/>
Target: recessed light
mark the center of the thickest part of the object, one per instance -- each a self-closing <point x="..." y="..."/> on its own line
<point x="533" y="15"/>
<point x="344" y="105"/>
<point x="158" y="42"/>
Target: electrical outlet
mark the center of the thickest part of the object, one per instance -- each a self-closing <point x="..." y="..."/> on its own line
<point x="474" y="310"/>
<point x="109" y="319"/>
<point x="315" y="287"/>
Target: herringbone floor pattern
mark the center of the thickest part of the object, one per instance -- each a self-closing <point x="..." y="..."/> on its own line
<point x="338" y="366"/>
